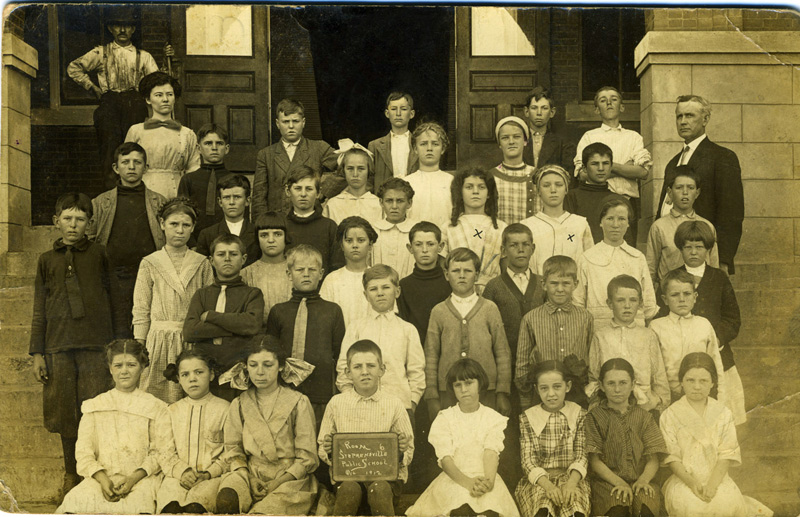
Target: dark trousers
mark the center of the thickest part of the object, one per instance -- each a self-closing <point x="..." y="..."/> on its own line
<point x="74" y="376"/>
<point x="123" y="280"/>
<point x="117" y="112"/>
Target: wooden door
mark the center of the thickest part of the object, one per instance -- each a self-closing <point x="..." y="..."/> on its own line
<point x="229" y="90"/>
<point x="502" y="54"/>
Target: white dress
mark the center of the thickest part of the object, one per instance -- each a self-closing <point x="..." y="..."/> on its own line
<point x="569" y="235"/>
<point x="189" y="435"/>
<point x="170" y="155"/>
<point x="698" y="442"/>
<point x="432" y="201"/>
<point x="116" y="434"/>
<point x="272" y="280"/>
<point x="477" y="232"/>
<point x="345" y="288"/>
<point x="464" y="437"/>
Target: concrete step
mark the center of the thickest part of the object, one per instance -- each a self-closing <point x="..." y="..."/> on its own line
<point x="15" y="340"/>
<point x="20" y="263"/>
<point x="21" y="404"/>
<point x="767" y="373"/>
<point x="31" y="441"/>
<point x="7" y="281"/>
<point x="16" y="306"/>
<point x="16" y="370"/>
<point x="776" y="276"/>
<point x="33" y="480"/>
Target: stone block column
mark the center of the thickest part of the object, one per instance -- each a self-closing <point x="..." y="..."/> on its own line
<point x="752" y="80"/>
<point x="20" y="63"/>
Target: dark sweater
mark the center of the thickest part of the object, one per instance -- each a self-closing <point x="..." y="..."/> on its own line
<point x="318" y="231"/>
<point x="420" y="292"/>
<point x="130" y="239"/>
<point x="53" y="327"/>
<point x="587" y="200"/>
<point x="324" y="334"/>
<point x="244" y="310"/>
<point x="195" y="186"/>
<point x="513" y="304"/>
<point x="247" y="234"/>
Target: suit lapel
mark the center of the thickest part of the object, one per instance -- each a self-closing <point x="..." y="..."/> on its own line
<point x="548" y="146"/>
<point x="282" y="159"/>
<point x="385" y="151"/>
<point x="301" y="155"/>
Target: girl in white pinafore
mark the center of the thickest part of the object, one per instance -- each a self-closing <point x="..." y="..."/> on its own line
<point x="464" y="436"/>
<point x="116" y="451"/>
<point x="189" y="439"/>
<point x="167" y="280"/>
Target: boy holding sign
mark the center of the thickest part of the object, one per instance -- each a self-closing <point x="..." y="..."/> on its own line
<point x="366" y="409"/>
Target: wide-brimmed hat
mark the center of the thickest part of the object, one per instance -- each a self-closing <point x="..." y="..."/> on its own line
<point x="120" y="14"/>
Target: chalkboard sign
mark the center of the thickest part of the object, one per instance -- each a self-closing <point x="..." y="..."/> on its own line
<point x="365" y="457"/>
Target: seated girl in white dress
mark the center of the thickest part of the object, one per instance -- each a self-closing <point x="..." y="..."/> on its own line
<point x="270" y="441"/>
<point x="189" y="439"/>
<point x="116" y="452"/>
<point x="701" y="440"/>
<point x="468" y="439"/>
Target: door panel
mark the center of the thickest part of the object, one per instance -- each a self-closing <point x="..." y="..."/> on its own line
<point x="232" y="91"/>
<point x="493" y="85"/>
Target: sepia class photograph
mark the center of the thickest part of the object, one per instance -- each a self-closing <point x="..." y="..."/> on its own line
<point x="392" y="259"/>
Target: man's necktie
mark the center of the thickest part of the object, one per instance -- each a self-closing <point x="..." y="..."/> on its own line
<point x="299" y="338"/>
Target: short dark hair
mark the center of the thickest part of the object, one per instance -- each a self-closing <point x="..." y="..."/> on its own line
<point x="354" y="221"/>
<point x="227" y="238"/>
<point x="364" y="346"/>
<point x="397" y="95"/>
<point x="687" y="171"/>
<point x="620" y="364"/>
<point x="290" y="107"/>
<point x="130" y="347"/>
<point x="300" y="173"/>
<point x="127" y="148"/>
<point x="514" y="229"/>
<point x="680" y="276"/>
<point x="550" y="366"/>
<point x="463" y="255"/>
<point x="264" y="343"/>
<point x="180" y="204"/>
<point x="425" y="227"/>
<point x="272" y="221"/>
<point x="208" y="129"/>
<point x="560" y="265"/>
<point x="609" y="88"/>
<point x="467" y="369"/>
<point x="623" y="282"/>
<point x="76" y="200"/>
<point x="150" y="81"/>
<point x="379" y="271"/>
<point x="233" y="181"/>
<point x="538" y="94"/>
<point x="396" y="184"/>
<point x="596" y="148"/>
<point x="694" y="231"/>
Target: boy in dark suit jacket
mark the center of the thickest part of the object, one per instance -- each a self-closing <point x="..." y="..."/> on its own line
<point x="545" y="146"/>
<point x="722" y="199"/>
<point x="394" y="155"/>
<point x="275" y="163"/>
<point x="233" y="195"/>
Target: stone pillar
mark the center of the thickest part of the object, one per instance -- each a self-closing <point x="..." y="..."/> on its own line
<point x="20" y="63"/>
<point x="752" y="80"/>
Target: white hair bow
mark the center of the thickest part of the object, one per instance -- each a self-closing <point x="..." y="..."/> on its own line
<point x="345" y="144"/>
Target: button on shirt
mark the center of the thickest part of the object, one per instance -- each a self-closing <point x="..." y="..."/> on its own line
<point x="626" y="145"/>
<point x="401" y="147"/>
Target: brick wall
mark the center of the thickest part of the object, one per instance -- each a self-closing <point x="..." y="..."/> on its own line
<point x="565" y="58"/>
<point x="722" y="20"/>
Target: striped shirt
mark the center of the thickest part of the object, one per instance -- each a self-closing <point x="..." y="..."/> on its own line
<point x="551" y="332"/>
<point x="517" y="197"/>
<point x="639" y="346"/>
<point x="349" y="412"/>
<point x="623" y="441"/>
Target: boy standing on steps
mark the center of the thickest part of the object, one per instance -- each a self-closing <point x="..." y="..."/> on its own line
<point x="394" y="155"/>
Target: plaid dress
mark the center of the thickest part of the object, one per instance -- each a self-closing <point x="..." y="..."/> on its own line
<point x="552" y="445"/>
<point x="623" y="443"/>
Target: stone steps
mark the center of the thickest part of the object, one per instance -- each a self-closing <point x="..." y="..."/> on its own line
<point x="33" y="480"/>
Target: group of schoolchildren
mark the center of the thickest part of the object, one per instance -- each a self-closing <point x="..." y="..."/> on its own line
<point x="195" y="360"/>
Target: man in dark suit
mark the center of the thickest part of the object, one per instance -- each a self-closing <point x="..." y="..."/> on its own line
<point x="276" y="162"/>
<point x="394" y="155"/>
<point x="721" y="198"/>
<point x="545" y="146"/>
